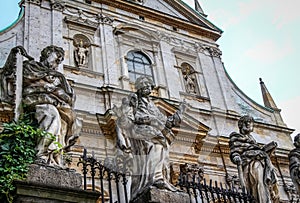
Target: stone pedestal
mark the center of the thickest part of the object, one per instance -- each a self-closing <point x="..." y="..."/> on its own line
<point x="155" y="195"/>
<point x="47" y="184"/>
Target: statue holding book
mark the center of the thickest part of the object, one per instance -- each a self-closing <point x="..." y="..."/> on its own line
<point x="256" y="172"/>
<point x="144" y="134"/>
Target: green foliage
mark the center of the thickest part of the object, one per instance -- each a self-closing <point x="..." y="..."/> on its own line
<point x="17" y="151"/>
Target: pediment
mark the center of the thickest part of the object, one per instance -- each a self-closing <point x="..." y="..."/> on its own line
<point x="164" y="7"/>
<point x="178" y="9"/>
<point x="188" y="126"/>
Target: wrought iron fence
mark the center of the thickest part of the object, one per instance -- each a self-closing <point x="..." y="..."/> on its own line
<point x="191" y="181"/>
<point x="110" y="177"/>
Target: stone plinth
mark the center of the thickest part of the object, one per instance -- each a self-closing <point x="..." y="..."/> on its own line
<point x="54" y="176"/>
<point x="32" y="192"/>
<point x="46" y="184"/>
<point x="155" y="195"/>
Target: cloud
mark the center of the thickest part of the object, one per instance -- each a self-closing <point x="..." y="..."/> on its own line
<point x="270" y="51"/>
<point x="280" y="12"/>
<point x="284" y="12"/>
<point x="290" y="113"/>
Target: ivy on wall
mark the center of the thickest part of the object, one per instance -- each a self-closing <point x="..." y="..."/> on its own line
<point x="17" y="151"/>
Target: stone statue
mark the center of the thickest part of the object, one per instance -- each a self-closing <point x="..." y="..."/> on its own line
<point x="294" y="158"/>
<point x="144" y="133"/>
<point x="48" y="95"/>
<point x="255" y="168"/>
<point x="8" y="74"/>
<point x="190" y="84"/>
<point x="81" y="54"/>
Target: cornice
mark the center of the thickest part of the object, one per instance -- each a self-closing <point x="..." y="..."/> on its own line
<point x="163" y="18"/>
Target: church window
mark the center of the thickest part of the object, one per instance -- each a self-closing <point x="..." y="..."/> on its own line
<point x="138" y="65"/>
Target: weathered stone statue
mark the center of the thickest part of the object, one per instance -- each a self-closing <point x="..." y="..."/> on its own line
<point x="294" y="158"/>
<point x="48" y="95"/>
<point x="255" y="169"/>
<point x="81" y="54"/>
<point x="145" y="134"/>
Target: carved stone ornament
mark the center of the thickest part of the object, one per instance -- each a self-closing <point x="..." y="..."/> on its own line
<point x="48" y="96"/>
<point x="57" y="5"/>
<point x="81" y="50"/>
<point x="144" y="133"/>
<point x="294" y="158"/>
<point x="208" y="50"/>
<point x="255" y="169"/>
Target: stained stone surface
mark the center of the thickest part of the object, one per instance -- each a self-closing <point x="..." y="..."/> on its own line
<point x="54" y="176"/>
<point x="29" y="192"/>
<point x="155" y="195"/>
<point x="46" y="184"/>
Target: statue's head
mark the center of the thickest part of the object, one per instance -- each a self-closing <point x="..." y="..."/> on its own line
<point x="245" y="124"/>
<point x="297" y="140"/>
<point x="52" y="56"/>
<point x="144" y="85"/>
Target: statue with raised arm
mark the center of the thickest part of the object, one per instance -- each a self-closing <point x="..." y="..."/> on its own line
<point x="255" y="168"/>
<point x="145" y="133"/>
<point x="48" y="95"/>
<point x="294" y="158"/>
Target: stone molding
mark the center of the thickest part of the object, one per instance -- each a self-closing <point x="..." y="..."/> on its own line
<point x="37" y="2"/>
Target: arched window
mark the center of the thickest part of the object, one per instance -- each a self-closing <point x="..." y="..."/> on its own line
<point x="138" y="65"/>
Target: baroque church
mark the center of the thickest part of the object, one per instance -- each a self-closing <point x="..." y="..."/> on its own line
<point x="109" y="44"/>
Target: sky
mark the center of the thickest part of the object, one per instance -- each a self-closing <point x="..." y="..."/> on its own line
<point x="260" y="40"/>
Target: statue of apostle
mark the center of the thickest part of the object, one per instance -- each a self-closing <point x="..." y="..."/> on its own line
<point x="256" y="172"/>
<point x="145" y="134"/>
<point x="47" y="94"/>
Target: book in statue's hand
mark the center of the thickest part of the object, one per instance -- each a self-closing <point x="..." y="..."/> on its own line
<point x="270" y="147"/>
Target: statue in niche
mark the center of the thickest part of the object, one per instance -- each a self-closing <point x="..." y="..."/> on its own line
<point x="145" y="134"/>
<point x="48" y="95"/>
<point x="294" y="158"/>
<point x="81" y="50"/>
<point x="81" y="54"/>
<point x="255" y="169"/>
<point x="189" y="77"/>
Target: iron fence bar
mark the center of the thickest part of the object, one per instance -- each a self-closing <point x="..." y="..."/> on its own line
<point x="109" y="185"/>
<point x="125" y="187"/>
<point x="206" y="190"/>
<point x="117" y="178"/>
<point x="194" y="188"/>
<point x="217" y="190"/>
<point x="222" y="192"/>
<point x="93" y="171"/>
<point x="100" y="167"/>
<point x="211" y="190"/>
<point x="227" y="194"/>
<point x="83" y="160"/>
<point x="200" y="190"/>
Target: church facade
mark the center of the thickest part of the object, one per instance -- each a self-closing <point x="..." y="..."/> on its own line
<point x="109" y="44"/>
